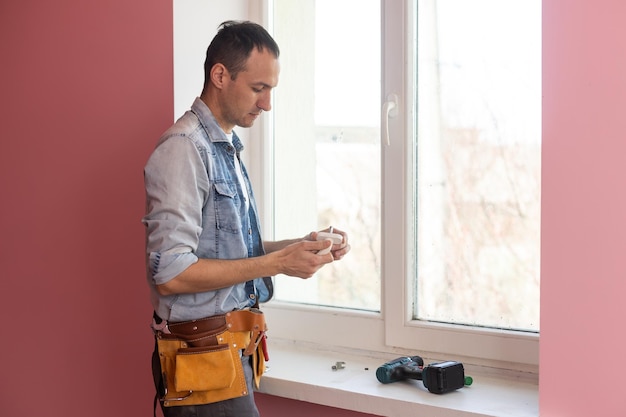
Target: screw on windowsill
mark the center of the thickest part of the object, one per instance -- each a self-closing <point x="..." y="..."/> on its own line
<point x="338" y="365"/>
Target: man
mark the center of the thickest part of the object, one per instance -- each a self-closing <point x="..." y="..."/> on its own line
<point x="207" y="266"/>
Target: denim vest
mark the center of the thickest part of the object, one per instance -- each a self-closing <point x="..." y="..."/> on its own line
<point x="195" y="208"/>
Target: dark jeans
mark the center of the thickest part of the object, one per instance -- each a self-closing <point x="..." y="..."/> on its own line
<point x="236" y="407"/>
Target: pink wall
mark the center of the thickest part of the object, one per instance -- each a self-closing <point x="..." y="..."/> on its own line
<point x="583" y="209"/>
<point x="86" y="89"/>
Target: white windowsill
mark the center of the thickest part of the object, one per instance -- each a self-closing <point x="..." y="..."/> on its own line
<point x="305" y="373"/>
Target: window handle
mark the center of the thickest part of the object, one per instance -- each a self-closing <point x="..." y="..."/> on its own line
<point x="390" y="109"/>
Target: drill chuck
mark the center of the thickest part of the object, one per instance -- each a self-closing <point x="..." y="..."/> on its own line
<point x="408" y="367"/>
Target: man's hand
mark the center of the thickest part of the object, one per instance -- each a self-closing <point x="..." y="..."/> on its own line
<point x="301" y="260"/>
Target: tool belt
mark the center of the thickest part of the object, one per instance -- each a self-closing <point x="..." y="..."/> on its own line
<point x="201" y="359"/>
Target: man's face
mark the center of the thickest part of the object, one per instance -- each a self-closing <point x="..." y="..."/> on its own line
<point x="243" y="99"/>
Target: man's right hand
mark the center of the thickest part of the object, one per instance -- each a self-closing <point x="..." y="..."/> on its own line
<point x="301" y="260"/>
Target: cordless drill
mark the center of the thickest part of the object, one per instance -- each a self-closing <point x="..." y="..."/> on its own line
<point x="438" y="378"/>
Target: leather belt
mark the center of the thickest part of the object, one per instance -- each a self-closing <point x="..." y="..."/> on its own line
<point x="204" y="331"/>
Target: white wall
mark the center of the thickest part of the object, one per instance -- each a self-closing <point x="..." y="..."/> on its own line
<point x="195" y="25"/>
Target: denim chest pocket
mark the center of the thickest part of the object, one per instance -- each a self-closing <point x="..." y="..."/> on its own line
<point x="227" y="204"/>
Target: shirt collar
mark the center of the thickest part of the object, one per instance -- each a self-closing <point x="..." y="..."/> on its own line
<point x="210" y="125"/>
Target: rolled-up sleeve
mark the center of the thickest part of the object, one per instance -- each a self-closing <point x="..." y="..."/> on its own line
<point x="176" y="184"/>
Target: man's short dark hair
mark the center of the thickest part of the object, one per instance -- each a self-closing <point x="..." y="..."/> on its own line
<point x="233" y="44"/>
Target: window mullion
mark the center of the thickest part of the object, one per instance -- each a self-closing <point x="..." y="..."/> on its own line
<point x="396" y="290"/>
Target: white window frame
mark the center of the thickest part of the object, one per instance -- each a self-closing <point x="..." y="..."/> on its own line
<point x="393" y="330"/>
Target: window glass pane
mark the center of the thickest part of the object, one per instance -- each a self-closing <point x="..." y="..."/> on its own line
<point x="478" y="162"/>
<point x="326" y="143"/>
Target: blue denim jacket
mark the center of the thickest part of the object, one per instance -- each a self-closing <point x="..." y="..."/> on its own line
<point x="195" y="209"/>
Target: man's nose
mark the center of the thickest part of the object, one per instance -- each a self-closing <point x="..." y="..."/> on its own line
<point x="265" y="103"/>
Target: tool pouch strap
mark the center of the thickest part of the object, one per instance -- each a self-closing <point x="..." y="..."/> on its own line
<point x="252" y="320"/>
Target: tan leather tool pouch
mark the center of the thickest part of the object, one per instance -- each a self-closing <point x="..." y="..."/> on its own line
<point x="258" y="364"/>
<point x="218" y="362"/>
<point x="201" y="359"/>
<point x="202" y="374"/>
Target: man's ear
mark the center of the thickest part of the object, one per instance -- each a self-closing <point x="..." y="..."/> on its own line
<point x="219" y="75"/>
